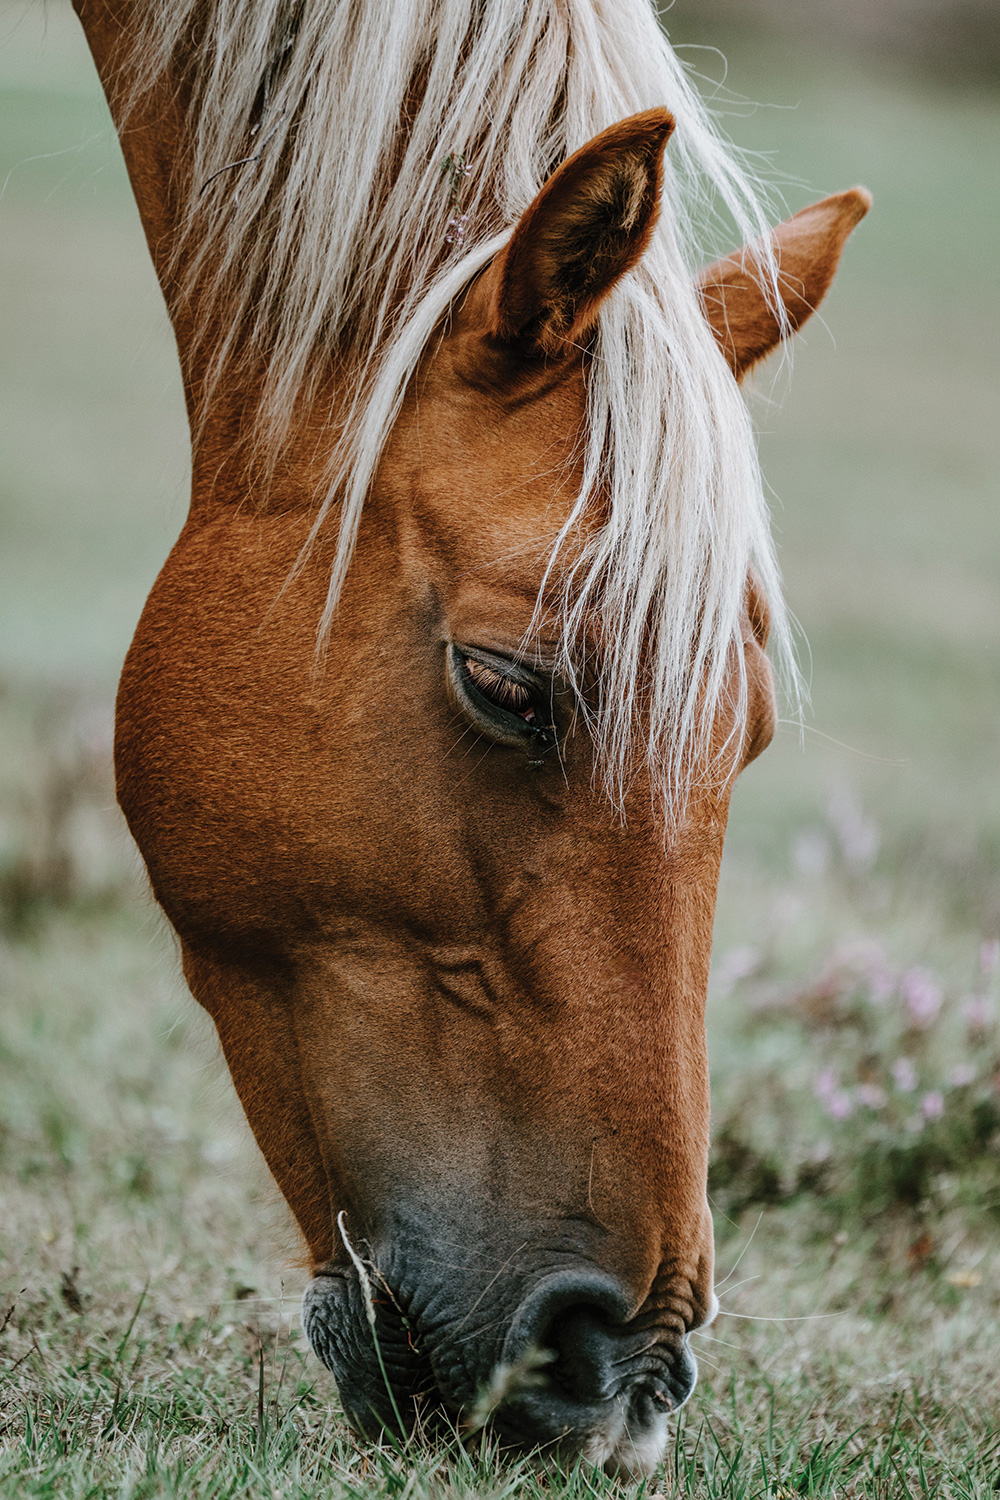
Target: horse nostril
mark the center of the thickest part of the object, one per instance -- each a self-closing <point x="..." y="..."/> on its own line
<point x="578" y="1319"/>
<point x="583" y="1343"/>
<point x="563" y="1310"/>
<point x="603" y="1370"/>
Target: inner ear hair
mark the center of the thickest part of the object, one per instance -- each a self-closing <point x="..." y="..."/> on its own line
<point x="588" y="226"/>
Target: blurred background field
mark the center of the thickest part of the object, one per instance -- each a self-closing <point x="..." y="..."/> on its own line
<point x="853" y="1012"/>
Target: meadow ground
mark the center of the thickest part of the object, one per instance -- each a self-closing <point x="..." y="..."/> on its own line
<point x="149" y="1279"/>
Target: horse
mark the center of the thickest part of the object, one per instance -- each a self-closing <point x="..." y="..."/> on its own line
<point x="429" y="727"/>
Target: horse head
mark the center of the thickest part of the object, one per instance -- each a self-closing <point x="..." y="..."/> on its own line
<point x="458" y="969"/>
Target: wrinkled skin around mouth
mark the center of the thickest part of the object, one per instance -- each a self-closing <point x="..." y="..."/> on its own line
<point x="555" y="1358"/>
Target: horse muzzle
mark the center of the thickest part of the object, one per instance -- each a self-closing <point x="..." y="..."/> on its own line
<point x="573" y="1370"/>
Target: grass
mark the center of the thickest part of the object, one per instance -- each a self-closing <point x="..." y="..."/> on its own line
<point x="149" y="1277"/>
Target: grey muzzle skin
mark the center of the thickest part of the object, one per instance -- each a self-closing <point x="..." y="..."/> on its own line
<point x="573" y="1375"/>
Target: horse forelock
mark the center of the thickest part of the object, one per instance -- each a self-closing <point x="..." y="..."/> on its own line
<point x="352" y="165"/>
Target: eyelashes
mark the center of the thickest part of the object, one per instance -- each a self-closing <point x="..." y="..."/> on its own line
<point x="502" y="698"/>
<point x="499" y="689"/>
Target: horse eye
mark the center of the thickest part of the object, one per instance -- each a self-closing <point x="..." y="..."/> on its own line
<point x="500" y="689"/>
<point x="502" y="698"/>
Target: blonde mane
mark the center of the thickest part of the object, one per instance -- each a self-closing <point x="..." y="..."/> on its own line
<point x="353" y="163"/>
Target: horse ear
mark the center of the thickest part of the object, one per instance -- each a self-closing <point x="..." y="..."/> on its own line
<point x="589" y="225"/>
<point x="808" y="249"/>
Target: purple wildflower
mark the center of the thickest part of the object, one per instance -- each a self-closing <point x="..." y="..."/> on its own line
<point x="825" y="1085"/>
<point x="962" y="1075"/>
<point x="932" y="1105"/>
<point x="456" y="229"/>
<point x="977" y="1013"/>
<point x="840" y="1105"/>
<point x="904" y="1075"/>
<point x="921" y="995"/>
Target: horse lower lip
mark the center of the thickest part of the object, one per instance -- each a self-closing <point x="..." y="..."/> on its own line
<point x="383" y="1380"/>
<point x="625" y="1435"/>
